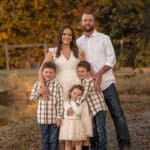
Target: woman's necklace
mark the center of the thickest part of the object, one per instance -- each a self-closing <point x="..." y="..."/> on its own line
<point x="66" y="53"/>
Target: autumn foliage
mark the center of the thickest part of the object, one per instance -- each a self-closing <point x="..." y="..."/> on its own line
<point x="38" y="21"/>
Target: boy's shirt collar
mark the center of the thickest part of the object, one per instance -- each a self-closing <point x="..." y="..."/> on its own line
<point x="87" y="78"/>
<point x="49" y="82"/>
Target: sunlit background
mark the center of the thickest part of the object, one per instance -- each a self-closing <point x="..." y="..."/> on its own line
<point x="29" y="27"/>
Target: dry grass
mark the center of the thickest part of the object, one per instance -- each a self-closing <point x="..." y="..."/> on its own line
<point x="20" y="135"/>
<point x="134" y="84"/>
<point x="18" y="86"/>
<point x="15" y="95"/>
<point x="135" y="103"/>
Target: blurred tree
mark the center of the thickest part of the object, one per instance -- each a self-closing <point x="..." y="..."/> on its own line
<point x="39" y="20"/>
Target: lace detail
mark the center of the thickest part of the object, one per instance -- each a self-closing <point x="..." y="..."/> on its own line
<point x="66" y="71"/>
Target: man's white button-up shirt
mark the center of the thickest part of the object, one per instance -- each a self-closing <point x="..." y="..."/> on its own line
<point x="99" y="52"/>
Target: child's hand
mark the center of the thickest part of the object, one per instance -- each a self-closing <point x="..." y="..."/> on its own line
<point x="44" y="92"/>
<point x="58" y="122"/>
<point x="70" y="112"/>
<point x="41" y="91"/>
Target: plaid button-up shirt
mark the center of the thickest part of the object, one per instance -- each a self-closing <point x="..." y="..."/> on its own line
<point x="48" y="110"/>
<point x="94" y="100"/>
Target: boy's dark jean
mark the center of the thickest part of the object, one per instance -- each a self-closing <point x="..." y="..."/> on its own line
<point x="99" y="140"/>
<point x="49" y="135"/>
<point x="113" y="103"/>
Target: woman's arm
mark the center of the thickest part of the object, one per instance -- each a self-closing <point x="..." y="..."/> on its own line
<point x="82" y="55"/>
<point x="48" y="57"/>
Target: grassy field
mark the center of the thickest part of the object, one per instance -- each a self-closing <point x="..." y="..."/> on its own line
<point x="18" y="126"/>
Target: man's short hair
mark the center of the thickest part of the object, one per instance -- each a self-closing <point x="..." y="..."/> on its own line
<point x="89" y="13"/>
<point x="85" y="65"/>
<point x="49" y="64"/>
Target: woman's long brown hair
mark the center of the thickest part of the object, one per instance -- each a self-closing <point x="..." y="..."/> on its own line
<point x="73" y="45"/>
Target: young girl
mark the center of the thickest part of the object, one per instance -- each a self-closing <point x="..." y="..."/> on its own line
<point x="72" y="131"/>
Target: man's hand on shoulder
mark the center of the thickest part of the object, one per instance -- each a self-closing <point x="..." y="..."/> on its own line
<point x="97" y="81"/>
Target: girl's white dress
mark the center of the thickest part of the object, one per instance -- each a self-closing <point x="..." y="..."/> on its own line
<point x="72" y="127"/>
<point x="67" y="77"/>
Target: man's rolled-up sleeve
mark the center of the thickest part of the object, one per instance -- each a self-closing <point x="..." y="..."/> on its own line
<point x="110" y="54"/>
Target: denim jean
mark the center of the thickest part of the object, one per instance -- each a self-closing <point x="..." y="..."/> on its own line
<point x="113" y="103"/>
<point x="99" y="140"/>
<point x="49" y="135"/>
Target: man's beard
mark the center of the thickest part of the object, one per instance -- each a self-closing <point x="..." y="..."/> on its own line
<point x="88" y="29"/>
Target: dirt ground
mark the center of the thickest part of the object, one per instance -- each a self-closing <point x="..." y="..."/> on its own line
<point x="24" y="134"/>
<point x="139" y="128"/>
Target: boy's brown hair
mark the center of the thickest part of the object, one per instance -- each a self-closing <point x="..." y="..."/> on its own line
<point x="49" y="64"/>
<point x="85" y="65"/>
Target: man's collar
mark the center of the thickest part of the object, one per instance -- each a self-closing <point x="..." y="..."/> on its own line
<point x="94" y="34"/>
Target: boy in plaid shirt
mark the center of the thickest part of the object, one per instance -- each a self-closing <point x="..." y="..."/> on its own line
<point x="50" y="110"/>
<point x="96" y="105"/>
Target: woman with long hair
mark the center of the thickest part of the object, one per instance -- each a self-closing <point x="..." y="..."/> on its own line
<point x="66" y="56"/>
